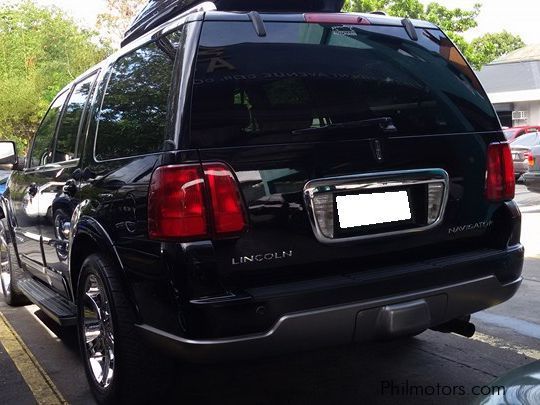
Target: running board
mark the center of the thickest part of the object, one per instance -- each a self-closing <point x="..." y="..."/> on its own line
<point x="54" y="305"/>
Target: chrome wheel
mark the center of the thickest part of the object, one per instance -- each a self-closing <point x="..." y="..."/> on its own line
<point x="98" y="331"/>
<point x="61" y="230"/>
<point x="5" y="265"/>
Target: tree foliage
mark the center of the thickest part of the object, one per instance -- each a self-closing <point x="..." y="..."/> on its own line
<point x="116" y="20"/>
<point x="41" y="50"/>
<point x="454" y="22"/>
<point x="489" y="47"/>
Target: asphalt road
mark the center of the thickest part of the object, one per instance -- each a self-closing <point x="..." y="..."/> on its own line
<point x="446" y="367"/>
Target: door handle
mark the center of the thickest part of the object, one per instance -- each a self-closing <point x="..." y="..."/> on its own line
<point x="88" y="175"/>
<point x="106" y="196"/>
<point x="33" y="189"/>
<point x="77" y="174"/>
<point x="70" y="188"/>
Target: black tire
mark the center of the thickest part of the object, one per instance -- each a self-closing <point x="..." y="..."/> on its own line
<point x="10" y="271"/>
<point x="134" y="368"/>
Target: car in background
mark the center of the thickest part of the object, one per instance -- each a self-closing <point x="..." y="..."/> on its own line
<point x="38" y="201"/>
<point x="4" y="176"/>
<point x="519" y="386"/>
<point x="520" y="149"/>
<point x="532" y="177"/>
<point x="511" y="134"/>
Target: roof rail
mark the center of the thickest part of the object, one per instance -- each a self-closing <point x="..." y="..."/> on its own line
<point x="378" y="12"/>
<point x="156" y="12"/>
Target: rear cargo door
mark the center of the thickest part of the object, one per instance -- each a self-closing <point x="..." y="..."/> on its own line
<point x="349" y="141"/>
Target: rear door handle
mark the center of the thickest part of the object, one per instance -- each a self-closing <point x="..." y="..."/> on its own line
<point x="70" y="188"/>
<point x="106" y="196"/>
<point x="33" y="189"/>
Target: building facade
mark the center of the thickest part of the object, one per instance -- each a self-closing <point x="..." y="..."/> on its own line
<point x="513" y="85"/>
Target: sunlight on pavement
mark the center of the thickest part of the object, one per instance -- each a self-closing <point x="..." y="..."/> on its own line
<point x="505" y="345"/>
<point x="529" y="234"/>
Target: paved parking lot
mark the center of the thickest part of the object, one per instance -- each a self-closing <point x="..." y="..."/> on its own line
<point x="441" y="368"/>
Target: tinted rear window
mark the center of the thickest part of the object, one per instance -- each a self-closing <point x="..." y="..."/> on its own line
<point x="260" y="90"/>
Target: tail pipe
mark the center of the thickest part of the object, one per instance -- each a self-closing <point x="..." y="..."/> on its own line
<point x="462" y="326"/>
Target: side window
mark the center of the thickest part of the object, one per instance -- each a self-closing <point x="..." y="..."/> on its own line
<point x="133" y="116"/>
<point x="68" y="130"/>
<point x="43" y="141"/>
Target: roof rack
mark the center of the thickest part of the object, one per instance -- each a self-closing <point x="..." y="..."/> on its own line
<point x="156" y="12"/>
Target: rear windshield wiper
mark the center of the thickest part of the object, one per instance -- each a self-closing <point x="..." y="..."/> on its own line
<point x="385" y="124"/>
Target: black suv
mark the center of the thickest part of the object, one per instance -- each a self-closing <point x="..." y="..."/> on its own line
<point x="239" y="184"/>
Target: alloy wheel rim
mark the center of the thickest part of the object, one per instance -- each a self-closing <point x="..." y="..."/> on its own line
<point x="59" y="222"/>
<point x="5" y="265"/>
<point x="98" y="331"/>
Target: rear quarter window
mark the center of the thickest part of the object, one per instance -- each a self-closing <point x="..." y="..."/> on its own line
<point x="256" y="90"/>
<point x="133" y="117"/>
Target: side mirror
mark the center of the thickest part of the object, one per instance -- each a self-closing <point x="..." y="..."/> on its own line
<point x="8" y="155"/>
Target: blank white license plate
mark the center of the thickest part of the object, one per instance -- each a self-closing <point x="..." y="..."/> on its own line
<point x="372" y="209"/>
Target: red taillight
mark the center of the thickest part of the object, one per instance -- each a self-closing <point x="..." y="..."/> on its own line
<point x="500" y="180"/>
<point x="177" y="202"/>
<point x="227" y="207"/>
<point x="176" y="206"/>
<point x="531" y="159"/>
<point x="335" y="18"/>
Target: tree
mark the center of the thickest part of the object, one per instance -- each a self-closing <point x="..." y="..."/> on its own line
<point x="489" y="47"/>
<point x="454" y="22"/>
<point x="119" y="16"/>
<point x="41" y="50"/>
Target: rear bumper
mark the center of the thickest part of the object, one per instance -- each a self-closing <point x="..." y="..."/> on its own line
<point x="364" y="320"/>
<point x="532" y="181"/>
<point x="521" y="167"/>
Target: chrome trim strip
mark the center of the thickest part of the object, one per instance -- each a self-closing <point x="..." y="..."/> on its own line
<point x="53" y="166"/>
<point x="29" y="235"/>
<point x="374" y="181"/>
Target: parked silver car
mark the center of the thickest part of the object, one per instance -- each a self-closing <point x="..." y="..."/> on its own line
<point x="519" y="386"/>
<point x="521" y="148"/>
<point x="532" y="177"/>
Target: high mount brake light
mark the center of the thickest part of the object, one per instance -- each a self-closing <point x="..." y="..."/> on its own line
<point x="500" y="180"/>
<point x="335" y="18"/>
<point x="194" y="202"/>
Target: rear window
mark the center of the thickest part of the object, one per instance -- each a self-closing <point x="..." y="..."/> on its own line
<point x="260" y="90"/>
